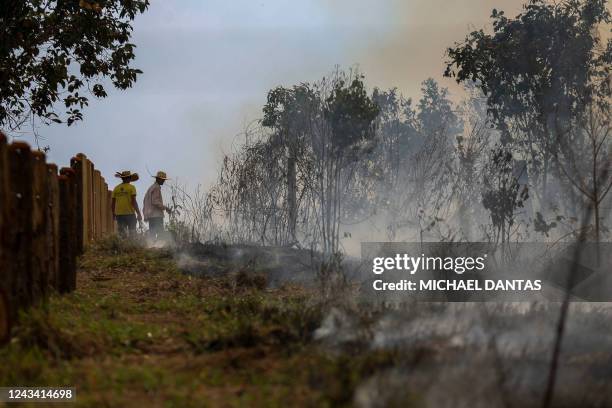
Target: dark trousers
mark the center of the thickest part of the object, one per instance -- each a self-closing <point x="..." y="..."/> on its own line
<point x="156" y="226"/>
<point x="126" y="224"/>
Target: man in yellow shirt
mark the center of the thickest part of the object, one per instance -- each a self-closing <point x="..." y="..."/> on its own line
<point x="124" y="203"/>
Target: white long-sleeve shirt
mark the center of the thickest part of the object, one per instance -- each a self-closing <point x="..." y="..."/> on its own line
<point x="153" y="205"/>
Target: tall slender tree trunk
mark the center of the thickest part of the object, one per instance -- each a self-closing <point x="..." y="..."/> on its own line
<point x="545" y="181"/>
<point x="596" y="201"/>
<point x="291" y="192"/>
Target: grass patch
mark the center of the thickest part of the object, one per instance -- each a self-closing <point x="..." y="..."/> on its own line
<point x="137" y="332"/>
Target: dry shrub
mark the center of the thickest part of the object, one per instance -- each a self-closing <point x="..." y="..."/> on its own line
<point x="254" y="280"/>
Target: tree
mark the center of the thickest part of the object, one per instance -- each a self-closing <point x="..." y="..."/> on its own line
<point x="502" y="194"/>
<point x="437" y="128"/>
<point x="539" y="70"/>
<point x="471" y="160"/>
<point x="584" y="157"/>
<point x="54" y="51"/>
<point x="407" y="177"/>
<point x="436" y="115"/>
<point x="350" y="115"/>
<point x="386" y="167"/>
<point x="288" y="112"/>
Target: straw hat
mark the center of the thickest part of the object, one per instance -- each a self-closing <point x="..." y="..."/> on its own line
<point x="161" y="175"/>
<point x="127" y="174"/>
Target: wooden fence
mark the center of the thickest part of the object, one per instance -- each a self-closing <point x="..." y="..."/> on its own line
<point x="46" y="220"/>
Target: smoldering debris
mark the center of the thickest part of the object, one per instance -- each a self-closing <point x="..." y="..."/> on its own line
<point x="339" y="329"/>
<point x="499" y="351"/>
<point x="279" y="264"/>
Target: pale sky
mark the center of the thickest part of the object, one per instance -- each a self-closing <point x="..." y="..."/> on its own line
<point x="209" y="64"/>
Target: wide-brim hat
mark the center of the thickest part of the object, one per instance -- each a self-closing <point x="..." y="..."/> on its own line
<point x="161" y="175"/>
<point x="127" y="174"/>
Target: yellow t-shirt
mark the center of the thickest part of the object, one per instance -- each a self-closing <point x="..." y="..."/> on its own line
<point x="123" y="194"/>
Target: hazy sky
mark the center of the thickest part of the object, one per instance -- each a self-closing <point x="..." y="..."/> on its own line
<point x="208" y="65"/>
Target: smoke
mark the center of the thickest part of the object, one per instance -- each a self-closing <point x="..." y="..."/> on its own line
<point x="483" y="355"/>
<point x="408" y="39"/>
<point x="492" y="354"/>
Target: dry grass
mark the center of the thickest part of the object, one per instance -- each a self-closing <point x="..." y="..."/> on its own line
<point x="138" y="332"/>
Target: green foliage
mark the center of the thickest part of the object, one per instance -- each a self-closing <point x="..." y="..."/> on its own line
<point x="502" y="194"/>
<point x="288" y="109"/>
<point x="541" y="67"/>
<point x="348" y="108"/>
<point x="52" y="52"/>
<point x="396" y="121"/>
<point x="435" y="111"/>
<point x="351" y="113"/>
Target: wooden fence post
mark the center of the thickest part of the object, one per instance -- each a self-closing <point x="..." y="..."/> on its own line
<point x="104" y="208"/>
<point x="77" y="165"/>
<point x="5" y="253"/>
<point x="111" y="221"/>
<point x="64" y="231"/>
<point x="20" y="228"/>
<point x="53" y="225"/>
<point x="109" y="213"/>
<point x="85" y="168"/>
<point x="68" y="227"/>
<point x="101" y="206"/>
<point x="73" y="226"/>
<point x="97" y="203"/>
<point x="90" y="170"/>
<point x="39" y="254"/>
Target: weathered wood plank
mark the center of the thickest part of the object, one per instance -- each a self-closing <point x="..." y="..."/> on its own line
<point x="111" y="221"/>
<point x="96" y="203"/>
<point x="90" y="171"/>
<point x="5" y="253"/>
<point x="77" y="165"/>
<point x="104" y="208"/>
<point x="68" y="227"/>
<point x="86" y="166"/>
<point x="20" y="205"/>
<point x="53" y="235"/>
<point x="40" y="206"/>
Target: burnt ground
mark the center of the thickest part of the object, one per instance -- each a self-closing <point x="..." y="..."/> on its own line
<point x="245" y="326"/>
<point x="139" y="332"/>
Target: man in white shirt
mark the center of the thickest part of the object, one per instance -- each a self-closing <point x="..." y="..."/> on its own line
<point x="153" y="205"/>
